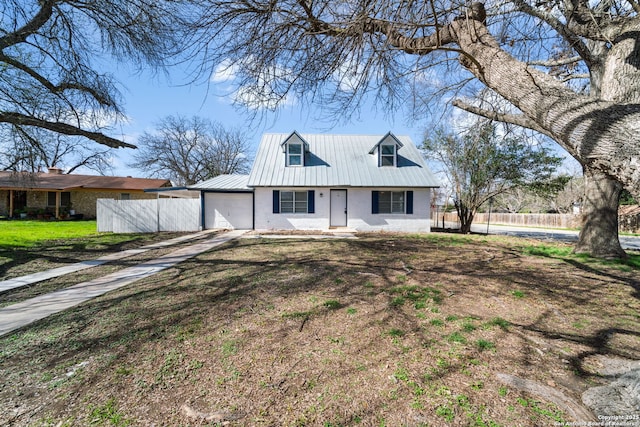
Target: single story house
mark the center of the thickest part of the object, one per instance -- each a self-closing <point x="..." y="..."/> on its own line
<point x="323" y="182"/>
<point x="54" y="194"/>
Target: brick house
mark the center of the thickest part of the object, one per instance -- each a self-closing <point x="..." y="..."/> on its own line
<point x="54" y="194"/>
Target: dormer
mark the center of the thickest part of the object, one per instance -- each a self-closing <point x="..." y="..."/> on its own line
<point x="294" y="149"/>
<point x="387" y="150"/>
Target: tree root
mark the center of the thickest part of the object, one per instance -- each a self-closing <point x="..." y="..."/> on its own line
<point x="218" y="417"/>
<point x="573" y="408"/>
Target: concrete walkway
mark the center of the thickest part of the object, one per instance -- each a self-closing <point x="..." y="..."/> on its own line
<point x="18" y="282"/>
<point x="23" y="313"/>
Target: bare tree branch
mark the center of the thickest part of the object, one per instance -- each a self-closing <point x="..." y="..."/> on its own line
<point x="515" y="119"/>
<point x="556" y="63"/>
<point x="34" y="24"/>
<point x="64" y="128"/>
<point x="48" y="50"/>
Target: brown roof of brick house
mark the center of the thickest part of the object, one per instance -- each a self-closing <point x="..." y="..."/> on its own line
<point x="67" y="182"/>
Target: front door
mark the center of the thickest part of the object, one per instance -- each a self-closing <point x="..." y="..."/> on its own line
<point x="338" y="208"/>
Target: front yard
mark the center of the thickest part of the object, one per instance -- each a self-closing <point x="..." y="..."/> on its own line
<point x="383" y="330"/>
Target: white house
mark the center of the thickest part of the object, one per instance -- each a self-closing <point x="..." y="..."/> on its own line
<point x="323" y="182"/>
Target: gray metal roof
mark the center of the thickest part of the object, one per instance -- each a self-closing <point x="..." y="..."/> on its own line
<point x="224" y="183"/>
<point x="180" y="192"/>
<point x="339" y="161"/>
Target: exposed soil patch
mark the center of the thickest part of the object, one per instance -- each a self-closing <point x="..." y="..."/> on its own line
<point x="382" y="330"/>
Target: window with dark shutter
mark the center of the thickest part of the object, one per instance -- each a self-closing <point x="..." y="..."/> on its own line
<point x="390" y="202"/>
<point x="293" y="202"/>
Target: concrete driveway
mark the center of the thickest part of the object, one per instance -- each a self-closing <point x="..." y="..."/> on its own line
<point x="23" y="313"/>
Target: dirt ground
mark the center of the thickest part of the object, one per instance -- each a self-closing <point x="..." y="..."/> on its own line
<point x="383" y="330"/>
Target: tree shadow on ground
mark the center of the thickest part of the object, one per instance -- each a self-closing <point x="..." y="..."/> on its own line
<point x="285" y="302"/>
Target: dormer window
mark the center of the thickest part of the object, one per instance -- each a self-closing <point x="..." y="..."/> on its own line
<point x="387" y="150"/>
<point x="387" y="155"/>
<point x="294" y="154"/>
<point x="294" y="149"/>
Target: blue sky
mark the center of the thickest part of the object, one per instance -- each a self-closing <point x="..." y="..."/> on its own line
<point x="149" y="98"/>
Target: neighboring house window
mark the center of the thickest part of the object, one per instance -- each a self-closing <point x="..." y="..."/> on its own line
<point x="392" y="202"/>
<point x="293" y="201"/>
<point x="125" y="196"/>
<point x="387" y="155"/>
<point x="294" y="154"/>
<point x="65" y="198"/>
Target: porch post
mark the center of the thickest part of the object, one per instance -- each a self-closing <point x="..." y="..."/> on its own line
<point x="10" y="203"/>
<point x="57" y="205"/>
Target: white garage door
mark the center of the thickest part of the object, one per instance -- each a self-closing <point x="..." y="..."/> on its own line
<point x="228" y="210"/>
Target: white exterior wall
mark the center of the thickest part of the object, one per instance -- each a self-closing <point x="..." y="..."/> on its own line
<point x="265" y="219"/>
<point x="361" y="219"/>
<point x="359" y="216"/>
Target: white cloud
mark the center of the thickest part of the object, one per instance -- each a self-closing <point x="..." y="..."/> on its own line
<point x="262" y="95"/>
<point x="255" y="100"/>
<point x="224" y="72"/>
<point x="348" y="76"/>
<point x="429" y="77"/>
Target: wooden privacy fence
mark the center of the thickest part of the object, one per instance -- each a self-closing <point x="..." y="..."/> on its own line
<point x="531" y="220"/>
<point x="148" y="216"/>
<point x="630" y="223"/>
<point x="629" y="219"/>
<point x="526" y="220"/>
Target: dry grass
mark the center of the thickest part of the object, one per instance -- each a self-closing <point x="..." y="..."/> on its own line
<point x="383" y="330"/>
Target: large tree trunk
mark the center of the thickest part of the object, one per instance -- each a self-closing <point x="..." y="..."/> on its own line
<point x="599" y="233"/>
<point x="609" y="80"/>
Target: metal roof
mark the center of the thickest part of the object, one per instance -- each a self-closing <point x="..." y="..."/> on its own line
<point x="178" y="192"/>
<point x="339" y="161"/>
<point x="223" y="183"/>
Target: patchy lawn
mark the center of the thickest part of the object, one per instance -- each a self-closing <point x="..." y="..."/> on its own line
<point x="40" y="250"/>
<point x="382" y="330"/>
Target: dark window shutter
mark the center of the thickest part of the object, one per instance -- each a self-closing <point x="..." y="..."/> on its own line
<point x="409" y="202"/>
<point x="311" y="202"/>
<point x="375" y="196"/>
<point x="276" y="201"/>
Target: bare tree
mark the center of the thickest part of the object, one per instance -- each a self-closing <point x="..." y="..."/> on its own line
<point x="568" y="70"/>
<point x="570" y="196"/>
<point x="29" y="149"/>
<point x="558" y="194"/>
<point x="515" y="200"/>
<point x="48" y="59"/>
<point x="192" y="150"/>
